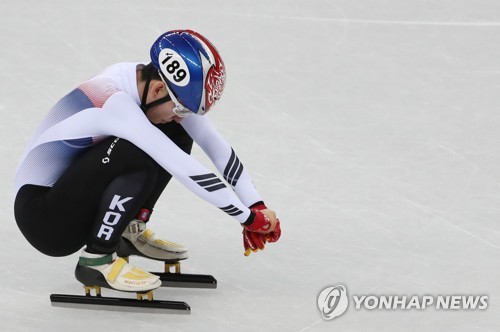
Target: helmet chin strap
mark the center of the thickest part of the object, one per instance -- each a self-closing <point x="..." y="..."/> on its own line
<point x="145" y="107"/>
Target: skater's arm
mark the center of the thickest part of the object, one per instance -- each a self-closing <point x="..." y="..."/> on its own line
<point x="203" y="132"/>
<point x="266" y="227"/>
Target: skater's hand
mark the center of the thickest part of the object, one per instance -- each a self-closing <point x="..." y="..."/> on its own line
<point x="253" y="241"/>
<point x="264" y="221"/>
<point x="265" y="228"/>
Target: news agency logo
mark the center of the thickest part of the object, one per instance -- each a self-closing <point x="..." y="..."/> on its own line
<point x="333" y="302"/>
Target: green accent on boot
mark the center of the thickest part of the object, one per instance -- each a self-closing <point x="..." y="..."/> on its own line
<point x="86" y="261"/>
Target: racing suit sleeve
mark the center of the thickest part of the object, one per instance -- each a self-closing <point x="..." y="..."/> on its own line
<point x="223" y="156"/>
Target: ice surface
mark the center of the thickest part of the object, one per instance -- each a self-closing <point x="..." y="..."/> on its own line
<point x="371" y="126"/>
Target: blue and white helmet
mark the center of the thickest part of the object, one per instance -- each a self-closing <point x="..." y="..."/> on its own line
<point x="191" y="68"/>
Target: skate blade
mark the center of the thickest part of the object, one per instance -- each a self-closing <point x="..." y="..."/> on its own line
<point x="184" y="280"/>
<point x="119" y="304"/>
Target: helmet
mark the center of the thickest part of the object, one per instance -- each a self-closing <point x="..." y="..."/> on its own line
<point x="191" y="68"/>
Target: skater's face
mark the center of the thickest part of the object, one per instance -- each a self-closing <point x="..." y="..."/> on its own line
<point x="163" y="112"/>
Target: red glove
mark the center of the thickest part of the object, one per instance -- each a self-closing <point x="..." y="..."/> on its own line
<point x="253" y="241"/>
<point x="260" y="231"/>
<point x="275" y="234"/>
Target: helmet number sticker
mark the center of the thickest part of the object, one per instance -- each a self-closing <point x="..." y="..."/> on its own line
<point x="174" y="67"/>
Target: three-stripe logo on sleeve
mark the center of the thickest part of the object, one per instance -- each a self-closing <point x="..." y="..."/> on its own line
<point x="231" y="210"/>
<point x="210" y="182"/>
<point x="233" y="169"/>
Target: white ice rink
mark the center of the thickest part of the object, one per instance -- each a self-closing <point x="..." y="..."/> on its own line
<point x="371" y="126"/>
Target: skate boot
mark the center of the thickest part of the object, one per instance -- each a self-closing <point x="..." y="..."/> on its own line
<point x="97" y="270"/>
<point x="140" y="241"/>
